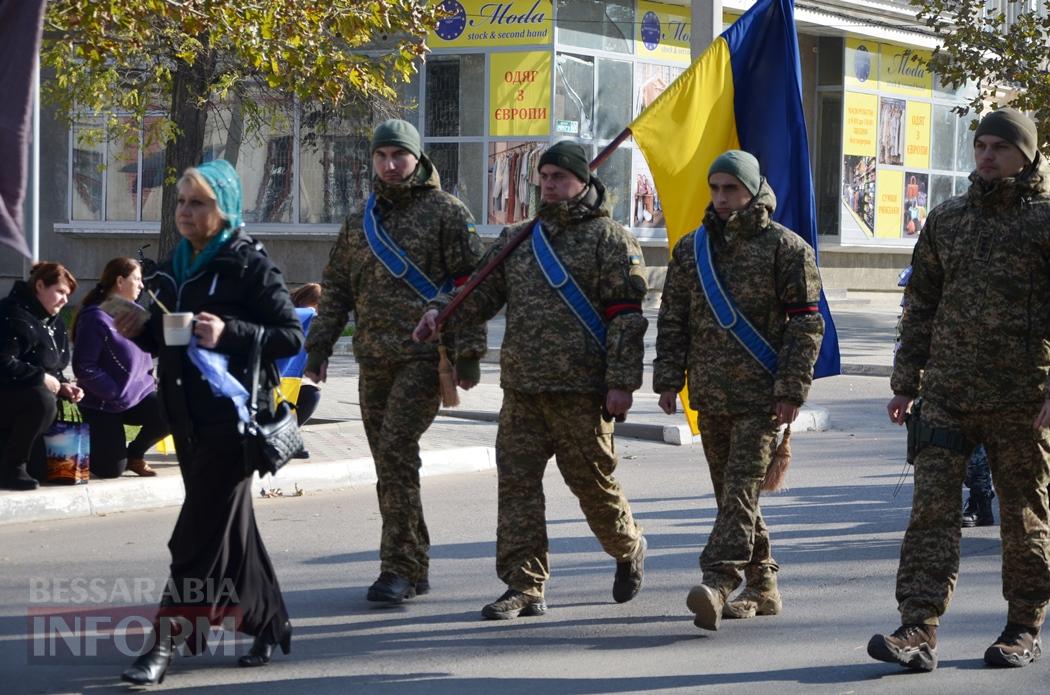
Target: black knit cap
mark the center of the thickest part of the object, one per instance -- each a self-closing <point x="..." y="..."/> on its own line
<point x="568" y="155"/>
<point x="1014" y="127"/>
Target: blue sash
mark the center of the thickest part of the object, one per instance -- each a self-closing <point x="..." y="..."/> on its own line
<point x="394" y="258"/>
<point x="560" y="279"/>
<point x="726" y="313"/>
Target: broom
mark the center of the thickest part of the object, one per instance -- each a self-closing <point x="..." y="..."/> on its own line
<point x="446" y="379"/>
<point x="777" y="471"/>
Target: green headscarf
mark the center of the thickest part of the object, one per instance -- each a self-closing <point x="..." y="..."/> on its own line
<point x="226" y="185"/>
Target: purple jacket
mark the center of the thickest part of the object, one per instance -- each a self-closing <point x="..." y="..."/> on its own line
<point x="114" y="372"/>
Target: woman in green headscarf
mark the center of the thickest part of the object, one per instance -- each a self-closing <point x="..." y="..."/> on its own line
<point x="225" y="279"/>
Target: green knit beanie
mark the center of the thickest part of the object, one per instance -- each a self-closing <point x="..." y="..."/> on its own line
<point x="397" y="133"/>
<point x="740" y="164"/>
<point x="1014" y="127"/>
<point x="568" y="155"/>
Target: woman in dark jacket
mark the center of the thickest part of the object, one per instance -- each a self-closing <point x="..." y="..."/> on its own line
<point x="116" y="375"/>
<point x="33" y="352"/>
<point x="227" y="281"/>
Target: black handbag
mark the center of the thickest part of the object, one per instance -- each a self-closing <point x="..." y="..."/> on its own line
<point x="269" y="441"/>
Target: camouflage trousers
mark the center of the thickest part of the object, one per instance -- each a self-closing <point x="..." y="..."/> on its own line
<point x="739" y="449"/>
<point x="398" y="402"/>
<point x="569" y="426"/>
<point x="1019" y="457"/>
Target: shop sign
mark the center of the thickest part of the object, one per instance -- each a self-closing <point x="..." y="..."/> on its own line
<point x="475" y="23"/>
<point x="569" y="127"/>
<point x="903" y="70"/>
<point x="664" y="32"/>
<point x="520" y="93"/>
<point x="861" y="64"/>
<point x="917" y="136"/>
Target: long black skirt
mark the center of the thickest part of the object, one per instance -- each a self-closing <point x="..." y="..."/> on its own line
<point x="220" y="569"/>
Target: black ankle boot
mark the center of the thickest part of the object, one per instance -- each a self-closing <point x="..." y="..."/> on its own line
<point x="149" y="669"/>
<point x="263" y="646"/>
<point x="18" y="479"/>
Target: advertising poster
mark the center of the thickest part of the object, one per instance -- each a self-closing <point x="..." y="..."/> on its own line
<point x="916" y="203"/>
<point x="917" y="136"/>
<point x="891" y="131"/>
<point x="476" y="23"/>
<point x="650" y="81"/>
<point x="646" y="212"/>
<point x="861" y="64"/>
<point x="889" y="209"/>
<point x="859" y="135"/>
<point x="858" y="190"/>
<point x="903" y="70"/>
<point x="520" y="93"/>
<point x="664" y="32"/>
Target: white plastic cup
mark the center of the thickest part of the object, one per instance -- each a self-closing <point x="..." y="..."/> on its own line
<point x="178" y="328"/>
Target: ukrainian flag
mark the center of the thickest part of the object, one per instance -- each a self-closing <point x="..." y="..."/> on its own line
<point x="744" y="92"/>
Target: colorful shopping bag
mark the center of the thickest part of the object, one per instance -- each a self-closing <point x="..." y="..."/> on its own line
<point x="67" y="446"/>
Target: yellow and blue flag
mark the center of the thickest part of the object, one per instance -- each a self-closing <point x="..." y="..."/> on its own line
<point x="744" y="92"/>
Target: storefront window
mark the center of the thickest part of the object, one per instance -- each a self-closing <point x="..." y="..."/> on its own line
<point x="574" y="96"/>
<point x="461" y="168"/>
<point x="615" y="93"/>
<point x="605" y="25"/>
<point x="964" y="145"/>
<point x="828" y="180"/>
<point x="453" y="101"/>
<point x="940" y="189"/>
<point x="335" y="174"/>
<point x="514" y="184"/>
<point x="943" y="142"/>
<point x="615" y="173"/>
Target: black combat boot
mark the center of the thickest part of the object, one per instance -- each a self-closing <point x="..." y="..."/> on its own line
<point x="390" y="588"/>
<point x="978" y="510"/>
<point x="1019" y="645"/>
<point x="628" y="581"/>
<point x="911" y="646"/>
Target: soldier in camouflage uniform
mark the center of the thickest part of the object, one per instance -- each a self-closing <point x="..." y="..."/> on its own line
<point x="771" y="274"/>
<point x="398" y="382"/>
<point x="556" y="378"/>
<point x="975" y="346"/>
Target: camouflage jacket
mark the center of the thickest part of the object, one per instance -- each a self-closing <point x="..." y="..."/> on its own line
<point x="975" y="335"/>
<point x="771" y="274"/>
<point x="545" y="347"/>
<point x="437" y="232"/>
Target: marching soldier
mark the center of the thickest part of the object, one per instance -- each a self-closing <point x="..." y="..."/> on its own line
<point x="409" y="241"/>
<point x="567" y="353"/>
<point x="974" y="345"/>
<point x="743" y="385"/>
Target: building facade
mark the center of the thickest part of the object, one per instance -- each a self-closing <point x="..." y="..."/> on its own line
<point x="504" y="81"/>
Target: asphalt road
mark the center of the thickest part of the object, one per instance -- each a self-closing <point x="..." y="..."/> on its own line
<point x="836" y="534"/>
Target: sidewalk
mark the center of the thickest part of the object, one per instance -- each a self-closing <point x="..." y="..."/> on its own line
<point x="461" y="440"/>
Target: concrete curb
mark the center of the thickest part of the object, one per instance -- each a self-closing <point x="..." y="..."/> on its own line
<point x="104" y="497"/>
<point x="809" y="420"/>
<point x="885" y="370"/>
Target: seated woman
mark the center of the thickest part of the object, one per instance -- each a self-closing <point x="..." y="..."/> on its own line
<point x="117" y="377"/>
<point x="33" y="352"/>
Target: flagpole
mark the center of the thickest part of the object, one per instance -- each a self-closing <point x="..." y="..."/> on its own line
<point x="34" y="208"/>
<point x="514" y="242"/>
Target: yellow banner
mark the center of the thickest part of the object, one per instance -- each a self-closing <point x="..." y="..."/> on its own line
<point x="903" y="70"/>
<point x="664" y="33"/>
<point x="476" y="23"/>
<point x="861" y="64"/>
<point x="917" y="136"/>
<point x="889" y="204"/>
<point x="861" y="123"/>
<point x="520" y="93"/>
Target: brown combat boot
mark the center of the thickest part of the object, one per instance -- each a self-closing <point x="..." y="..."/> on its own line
<point x="911" y="646"/>
<point x="759" y="597"/>
<point x="141" y="468"/>
<point x="1019" y="645"/>
<point x="706" y="603"/>
<point x="513" y="604"/>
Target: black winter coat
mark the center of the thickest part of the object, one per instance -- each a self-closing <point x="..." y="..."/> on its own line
<point x="241" y="286"/>
<point x="32" y="341"/>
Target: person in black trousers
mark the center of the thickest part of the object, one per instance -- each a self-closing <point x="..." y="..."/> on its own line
<point x="33" y="352"/>
<point x="116" y="375"/>
<point x="232" y="288"/>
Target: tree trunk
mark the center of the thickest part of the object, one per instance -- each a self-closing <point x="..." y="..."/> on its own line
<point x="190" y="84"/>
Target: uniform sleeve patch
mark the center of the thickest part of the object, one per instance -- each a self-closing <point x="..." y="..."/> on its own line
<point x="635" y="260"/>
<point x="471" y="229"/>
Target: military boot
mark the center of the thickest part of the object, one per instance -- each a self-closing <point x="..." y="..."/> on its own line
<point x="911" y="646"/>
<point x="706" y="603"/>
<point x="760" y="597"/>
<point x="628" y="581"/>
<point x="978" y="510"/>
<point x="390" y="588"/>
<point x="513" y="604"/>
<point x="1019" y="645"/>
